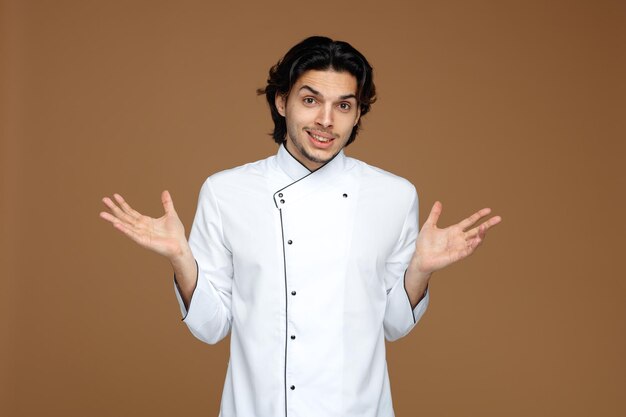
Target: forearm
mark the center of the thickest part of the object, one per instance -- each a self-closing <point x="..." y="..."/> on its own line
<point x="186" y="273"/>
<point x="416" y="283"/>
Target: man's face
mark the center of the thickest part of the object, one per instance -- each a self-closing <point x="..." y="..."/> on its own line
<point x="320" y="112"/>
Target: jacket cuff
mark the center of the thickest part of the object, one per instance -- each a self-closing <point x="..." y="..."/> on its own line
<point x="421" y="306"/>
<point x="400" y="318"/>
<point x="183" y="308"/>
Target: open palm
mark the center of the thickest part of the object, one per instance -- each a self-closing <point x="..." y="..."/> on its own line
<point x="165" y="235"/>
<point x="437" y="248"/>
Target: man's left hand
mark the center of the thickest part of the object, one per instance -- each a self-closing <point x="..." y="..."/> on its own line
<point x="437" y="248"/>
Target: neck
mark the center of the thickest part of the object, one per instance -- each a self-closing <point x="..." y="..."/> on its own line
<point x="298" y="156"/>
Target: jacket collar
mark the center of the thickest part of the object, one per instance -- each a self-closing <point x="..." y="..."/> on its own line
<point x="305" y="182"/>
<point x="296" y="170"/>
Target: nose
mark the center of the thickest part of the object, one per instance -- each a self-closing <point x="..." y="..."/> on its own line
<point x="325" y="116"/>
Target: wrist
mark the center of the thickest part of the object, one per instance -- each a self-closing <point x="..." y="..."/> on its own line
<point x="416" y="284"/>
<point x="416" y="268"/>
<point x="181" y="255"/>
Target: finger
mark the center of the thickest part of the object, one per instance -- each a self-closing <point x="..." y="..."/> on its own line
<point x="168" y="204"/>
<point x="109" y="217"/>
<point x="117" y="211"/>
<point x="488" y="225"/>
<point x="126" y="207"/>
<point x="481" y="230"/>
<point x="468" y="222"/>
<point x="493" y="221"/>
<point x="118" y="224"/>
<point x="435" y="212"/>
<point x="472" y="233"/>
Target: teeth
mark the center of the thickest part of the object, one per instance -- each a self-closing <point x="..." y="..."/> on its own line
<point x="321" y="139"/>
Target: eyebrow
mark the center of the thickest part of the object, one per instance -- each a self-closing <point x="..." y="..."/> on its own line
<point x="317" y="93"/>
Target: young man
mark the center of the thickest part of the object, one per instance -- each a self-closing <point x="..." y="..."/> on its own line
<point x="309" y="258"/>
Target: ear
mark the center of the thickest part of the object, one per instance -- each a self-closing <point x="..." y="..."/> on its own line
<point x="280" y="102"/>
<point x="358" y="116"/>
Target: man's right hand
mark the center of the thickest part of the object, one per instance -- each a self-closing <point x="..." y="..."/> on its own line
<point x="165" y="236"/>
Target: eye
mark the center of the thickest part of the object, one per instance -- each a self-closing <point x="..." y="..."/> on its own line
<point x="308" y="100"/>
<point x="345" y="106"/>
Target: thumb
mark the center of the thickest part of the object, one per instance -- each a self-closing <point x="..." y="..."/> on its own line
<point x="168" y="204"/>
<point x="435" y="212"/>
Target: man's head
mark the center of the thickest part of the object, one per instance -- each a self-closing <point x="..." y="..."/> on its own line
<point x="318" y="86"/>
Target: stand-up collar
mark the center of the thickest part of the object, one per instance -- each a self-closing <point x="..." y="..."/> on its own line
<point x="296" y="170"/>
<point x="306" y="182"/>
<point x="288" y="163"/>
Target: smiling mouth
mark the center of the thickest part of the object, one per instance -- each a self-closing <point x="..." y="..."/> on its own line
<point x="319" y="138"/>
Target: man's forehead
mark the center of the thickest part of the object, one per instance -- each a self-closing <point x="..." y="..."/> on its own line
<point x="327" y="83"/>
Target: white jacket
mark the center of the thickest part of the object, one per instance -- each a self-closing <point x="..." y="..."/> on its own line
<point x="306" y="270"/>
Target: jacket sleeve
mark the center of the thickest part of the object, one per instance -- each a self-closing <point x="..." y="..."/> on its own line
<point x="209" y="315"/>
<point x="400" y="318"/>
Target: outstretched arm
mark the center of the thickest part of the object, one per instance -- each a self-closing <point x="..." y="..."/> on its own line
<point x="165" y="236"/>
<point x="437" y="248"/>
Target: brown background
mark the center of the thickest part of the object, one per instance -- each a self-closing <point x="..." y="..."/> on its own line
<point x="517" y="105"/>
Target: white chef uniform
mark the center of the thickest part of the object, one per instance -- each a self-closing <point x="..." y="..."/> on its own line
<point x="306" y="269"/>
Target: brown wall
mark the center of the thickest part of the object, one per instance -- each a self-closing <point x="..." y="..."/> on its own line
<point x="517" y="105"/>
